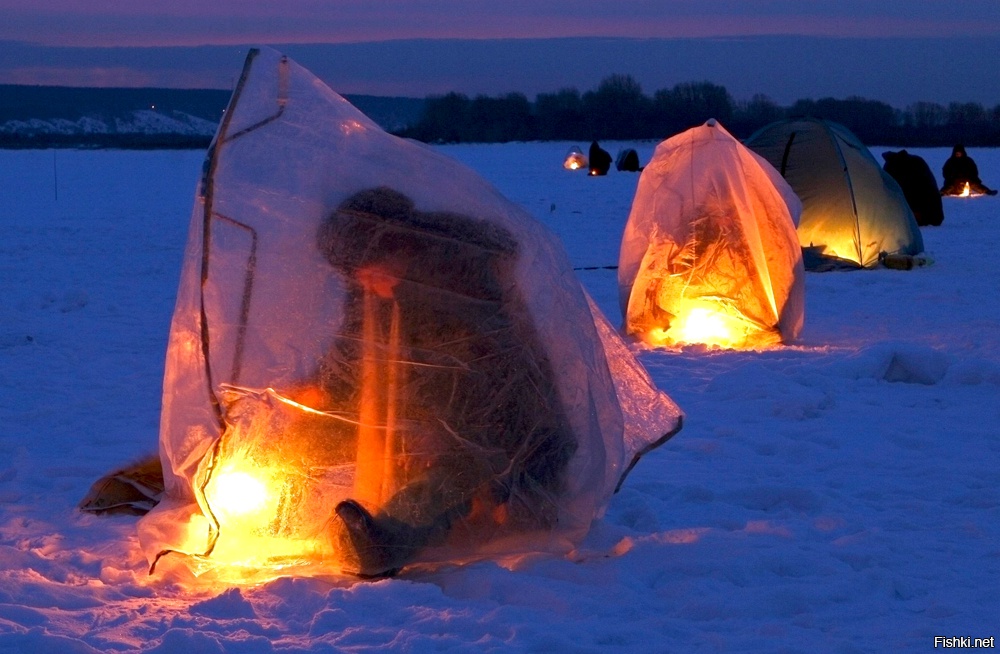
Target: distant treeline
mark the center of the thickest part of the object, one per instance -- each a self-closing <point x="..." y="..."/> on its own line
<point x="619" y="110"/>
<point x="616" y="110"/>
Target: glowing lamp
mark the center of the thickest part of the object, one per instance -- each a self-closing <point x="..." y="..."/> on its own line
<point x="707" y="322"/>
<point x="575" y="160"/>
<point x="966" y="191"/>
<point x="234" y="494"/>
<point x="256" y="533"/>
<point x="701" y="325"/>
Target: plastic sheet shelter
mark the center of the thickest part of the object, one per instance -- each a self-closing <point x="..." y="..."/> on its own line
<point x="709" y="254"/>
<point x="852" y="210"/>
<point x="376" y="361"/>
<point x="575" y="159"/>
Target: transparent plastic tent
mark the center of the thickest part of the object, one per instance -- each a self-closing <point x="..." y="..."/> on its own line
<point x="575" y="159"/>
<point x="376" y="361"/>
<point x="710" y="253"/>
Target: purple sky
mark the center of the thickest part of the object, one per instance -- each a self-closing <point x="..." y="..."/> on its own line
<point x="143" y="43"/>
<point x="217" y="22"/>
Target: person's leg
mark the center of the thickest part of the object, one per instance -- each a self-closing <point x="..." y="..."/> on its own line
<point x="380" y="545"/>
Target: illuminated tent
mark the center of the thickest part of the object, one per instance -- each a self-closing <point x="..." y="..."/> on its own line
<point x="852" y="210"/>
<point x="709" y="254"/>
<point x="575" y="159"/>
<point x="376" y="360"/>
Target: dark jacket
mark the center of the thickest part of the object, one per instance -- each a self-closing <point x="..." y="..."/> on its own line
<point x="438" y="356"/>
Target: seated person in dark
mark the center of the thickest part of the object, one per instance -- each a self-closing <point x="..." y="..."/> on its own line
<point x="600" y="160"/>
<point x="959" y="170"/>
<point x="919" y="186"/>
<point x="439" y="360"/>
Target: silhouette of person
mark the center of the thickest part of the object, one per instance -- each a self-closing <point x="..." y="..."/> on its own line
<point x="600" y="159"/>
<point x="440" y="361"/>
<point x="959" y="170"/>
<point x="919" y="186"/>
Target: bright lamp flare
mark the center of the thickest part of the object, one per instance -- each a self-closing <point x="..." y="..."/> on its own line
<point x="966" y="191"/>
<point x="234" y="493"/>
<point x="700" y="325"/>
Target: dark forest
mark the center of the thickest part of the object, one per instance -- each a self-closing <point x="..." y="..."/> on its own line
<point x="618" y="109"/>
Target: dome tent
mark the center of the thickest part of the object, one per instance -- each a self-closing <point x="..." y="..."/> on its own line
<point x="709" y="254"/>
<point x="376" y="360"/>
<point x="852" y="211"/>
<point x="575" y="159"/>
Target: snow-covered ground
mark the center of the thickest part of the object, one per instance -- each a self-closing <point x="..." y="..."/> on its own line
<point x="838" y="495"/>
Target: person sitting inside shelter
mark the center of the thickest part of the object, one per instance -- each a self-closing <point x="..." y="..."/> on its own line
<point x="960" y="171"/>
<point x="456" y="403"/>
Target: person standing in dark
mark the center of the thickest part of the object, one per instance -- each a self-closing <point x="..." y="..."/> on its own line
<point x="959" y="170"/>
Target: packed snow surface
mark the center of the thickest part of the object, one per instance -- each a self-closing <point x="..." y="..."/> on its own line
<point x="840" y="494"/>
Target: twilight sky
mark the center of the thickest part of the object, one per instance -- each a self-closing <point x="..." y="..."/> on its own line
<point x="899" y="51"/>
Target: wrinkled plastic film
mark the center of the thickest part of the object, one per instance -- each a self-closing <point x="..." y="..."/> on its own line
<point x="375" y="359"/>
<point x="710" y="253"/>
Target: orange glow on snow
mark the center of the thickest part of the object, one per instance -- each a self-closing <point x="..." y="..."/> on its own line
<point x="702" y="322"/>
<point x="701" y="325"/>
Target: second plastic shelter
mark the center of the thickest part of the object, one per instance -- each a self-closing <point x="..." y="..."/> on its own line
<point x="709" y="254"/>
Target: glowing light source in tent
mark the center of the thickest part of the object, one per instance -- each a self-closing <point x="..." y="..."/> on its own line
<point x="235" y="493"/>
<point x="701" y="322"/>
<point x="701" y="325"/>
<point x="248" y="501"/>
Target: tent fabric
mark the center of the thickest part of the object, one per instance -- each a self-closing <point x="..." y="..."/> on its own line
<point x="376" y="360"/>
<point x="709" y="253"/>
<point x="852" y="210"/>
<point x="628" y="161"/>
